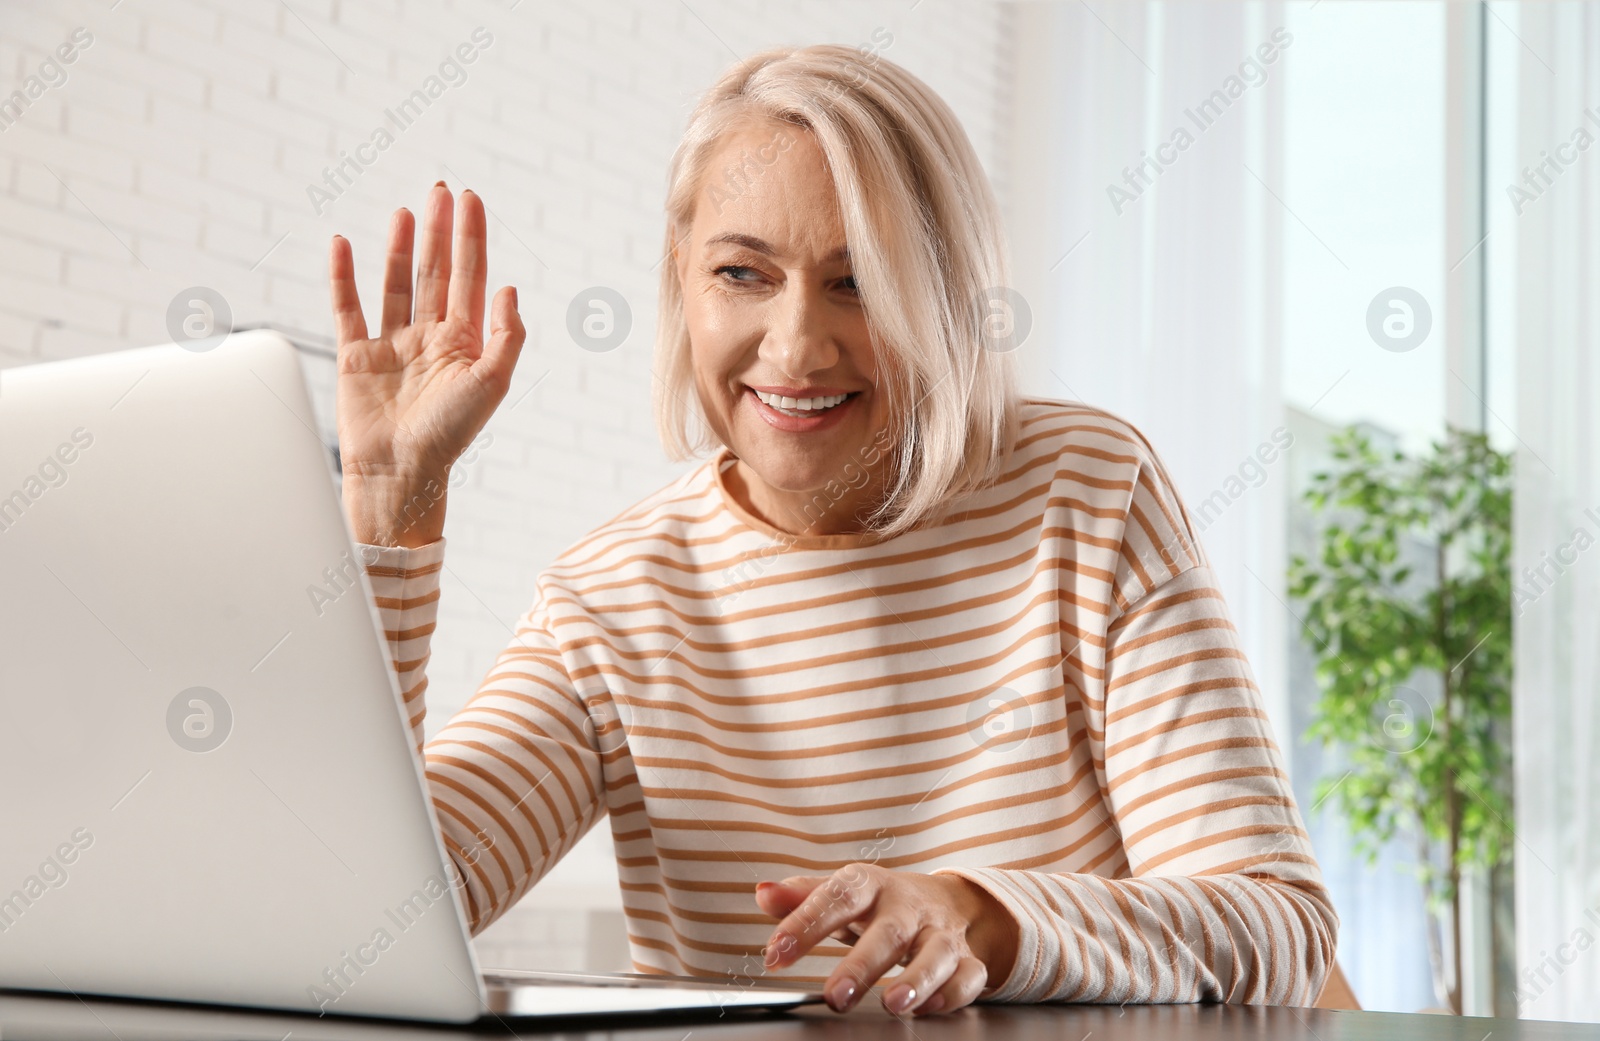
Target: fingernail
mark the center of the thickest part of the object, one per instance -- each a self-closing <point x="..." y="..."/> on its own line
<point x="438" y="184"/>
<point x="760" y="886"/>
<point x="841" y="995"/>
<point x="899" y="998"/>
<point x="777" y="947"/>
<point x="932" y="1005"/>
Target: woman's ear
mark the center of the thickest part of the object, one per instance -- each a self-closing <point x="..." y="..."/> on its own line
<point x="680" y="250"/>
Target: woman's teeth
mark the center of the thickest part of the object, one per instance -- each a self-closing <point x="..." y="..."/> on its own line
<point x="800" y="406"/>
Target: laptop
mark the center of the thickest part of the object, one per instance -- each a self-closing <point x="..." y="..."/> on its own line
<point x="211" y="793"/>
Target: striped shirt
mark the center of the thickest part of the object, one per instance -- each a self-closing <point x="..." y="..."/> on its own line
<point x="1043" y="694"/>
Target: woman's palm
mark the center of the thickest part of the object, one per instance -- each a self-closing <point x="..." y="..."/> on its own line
<point x="411" y="399"/>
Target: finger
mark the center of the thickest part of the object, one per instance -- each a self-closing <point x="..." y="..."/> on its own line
<point x="397" y="273"/>
<point x="844" y="896"/>
<point x="471" y="262"/>
<point x="886" y="941"/>
<point x="959" y="991"/>
<point x="934" y="958"/>
<point x="848" y="935"/>
<point x="348" y="322"/>
<point x="506" y="335"/>
<point x="433" y="263"/>
<point x="778" y="899"/>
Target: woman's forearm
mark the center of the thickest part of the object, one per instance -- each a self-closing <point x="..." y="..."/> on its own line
<point x="405" y="589"/>
<point x="397" y="511"/>
<point x="1232" y="937"/>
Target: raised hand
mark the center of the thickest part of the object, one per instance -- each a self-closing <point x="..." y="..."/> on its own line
<point x="411" y="399"/>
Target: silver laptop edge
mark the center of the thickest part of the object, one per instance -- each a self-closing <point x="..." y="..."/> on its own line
<point x="212" y="790"/>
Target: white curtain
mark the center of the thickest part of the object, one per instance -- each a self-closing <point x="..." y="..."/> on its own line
<point x="1159" y="300"/>
<point x="1557" y="515"/>
<point x="1167" y="309"/>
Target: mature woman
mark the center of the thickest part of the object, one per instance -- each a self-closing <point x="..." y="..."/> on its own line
<point x="930" y="674"/>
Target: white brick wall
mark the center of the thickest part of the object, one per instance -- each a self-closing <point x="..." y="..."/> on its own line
<point x="178" y="152"/>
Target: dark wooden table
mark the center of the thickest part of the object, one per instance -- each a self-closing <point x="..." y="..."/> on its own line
<point x="29" y="1017"/>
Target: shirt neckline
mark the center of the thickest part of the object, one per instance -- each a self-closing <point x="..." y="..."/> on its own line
<point x="851" y="540"/>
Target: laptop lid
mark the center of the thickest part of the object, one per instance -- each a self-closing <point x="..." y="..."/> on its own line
<point x="211" y="792"/>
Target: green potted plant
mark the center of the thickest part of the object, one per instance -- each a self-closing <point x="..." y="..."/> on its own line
<point x="1407" y="602"/>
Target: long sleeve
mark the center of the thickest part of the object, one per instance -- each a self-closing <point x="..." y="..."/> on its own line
<point x="405" y="587"/>
<point x="515" y="776"/>
<point x="1224" y="900"/>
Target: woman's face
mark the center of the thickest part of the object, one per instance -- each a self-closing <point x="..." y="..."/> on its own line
<point x="775" y="324"/>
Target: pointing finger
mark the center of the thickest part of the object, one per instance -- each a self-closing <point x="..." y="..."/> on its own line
<point x="469" y="275"/>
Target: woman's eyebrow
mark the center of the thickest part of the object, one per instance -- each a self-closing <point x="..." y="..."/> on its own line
<point x="763" y="247"/>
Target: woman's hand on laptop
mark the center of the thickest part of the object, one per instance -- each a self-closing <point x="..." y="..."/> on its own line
<point x="952" y="936"/>
<point x="413" y="397"/>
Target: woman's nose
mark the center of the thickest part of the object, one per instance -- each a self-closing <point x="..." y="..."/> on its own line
<point x="799" y="341"/>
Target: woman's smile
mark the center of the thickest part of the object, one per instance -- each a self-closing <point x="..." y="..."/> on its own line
<point x="797" y="413"/>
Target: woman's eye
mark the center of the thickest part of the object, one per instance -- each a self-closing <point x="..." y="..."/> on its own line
<point x="849" y="282"/>
<point x="735" y="273"/>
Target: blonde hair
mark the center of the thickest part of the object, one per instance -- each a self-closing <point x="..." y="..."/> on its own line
<point x="926" y="245"/>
